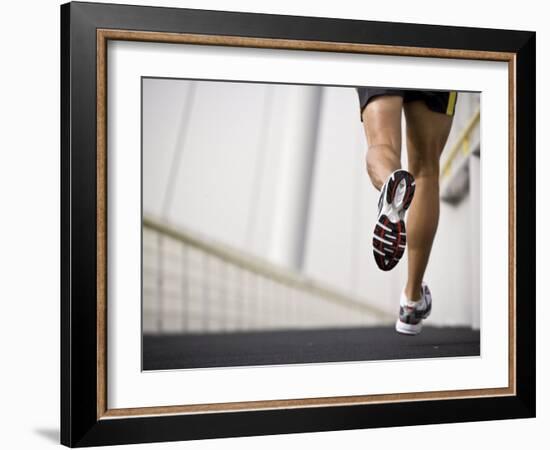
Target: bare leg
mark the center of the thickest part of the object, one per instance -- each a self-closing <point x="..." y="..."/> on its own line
<point x="427" y="133"/>
<point x="382" y="122"/>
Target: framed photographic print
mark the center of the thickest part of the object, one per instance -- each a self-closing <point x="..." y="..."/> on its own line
<point x="277" y="224"/>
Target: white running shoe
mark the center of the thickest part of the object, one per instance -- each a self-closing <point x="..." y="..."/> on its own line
<point x="411" y="313"/>
<point x="390" y="237"/>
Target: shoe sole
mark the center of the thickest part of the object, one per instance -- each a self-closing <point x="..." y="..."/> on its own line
<point x="407" y="328"/>
<point x="390" y="236"/>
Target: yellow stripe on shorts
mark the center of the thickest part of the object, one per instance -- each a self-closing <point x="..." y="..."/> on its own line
<point x="452" y="103"/>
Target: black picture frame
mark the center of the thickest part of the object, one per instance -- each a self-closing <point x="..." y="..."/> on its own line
<point x="80" y="424"/>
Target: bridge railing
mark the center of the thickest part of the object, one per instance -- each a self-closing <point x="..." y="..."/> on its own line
<point x="194" y="284"/>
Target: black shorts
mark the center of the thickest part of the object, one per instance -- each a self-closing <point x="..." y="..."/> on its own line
<point x="439" y="101"/>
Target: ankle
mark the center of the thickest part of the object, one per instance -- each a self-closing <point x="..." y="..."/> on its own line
<point x="413" y="293"/>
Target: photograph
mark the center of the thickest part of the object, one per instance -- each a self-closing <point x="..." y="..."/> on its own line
<point x="293" y="224"/>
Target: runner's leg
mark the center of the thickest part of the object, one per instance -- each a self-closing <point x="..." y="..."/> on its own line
<point x="382" y="123"/>
<point x="427" y="133"/>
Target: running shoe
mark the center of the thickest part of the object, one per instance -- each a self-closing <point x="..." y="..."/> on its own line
<point x="390" y="237"/>
<point x="411" y="314"/>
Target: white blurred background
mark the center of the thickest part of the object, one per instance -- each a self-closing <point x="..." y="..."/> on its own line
<point x="258" y="212"/>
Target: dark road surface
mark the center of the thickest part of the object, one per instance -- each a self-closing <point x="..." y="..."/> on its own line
<point x="181" y="351"/>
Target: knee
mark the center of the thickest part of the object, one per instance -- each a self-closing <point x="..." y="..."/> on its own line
<point x="424" y="167"/>
<point x="425" y="163"/>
